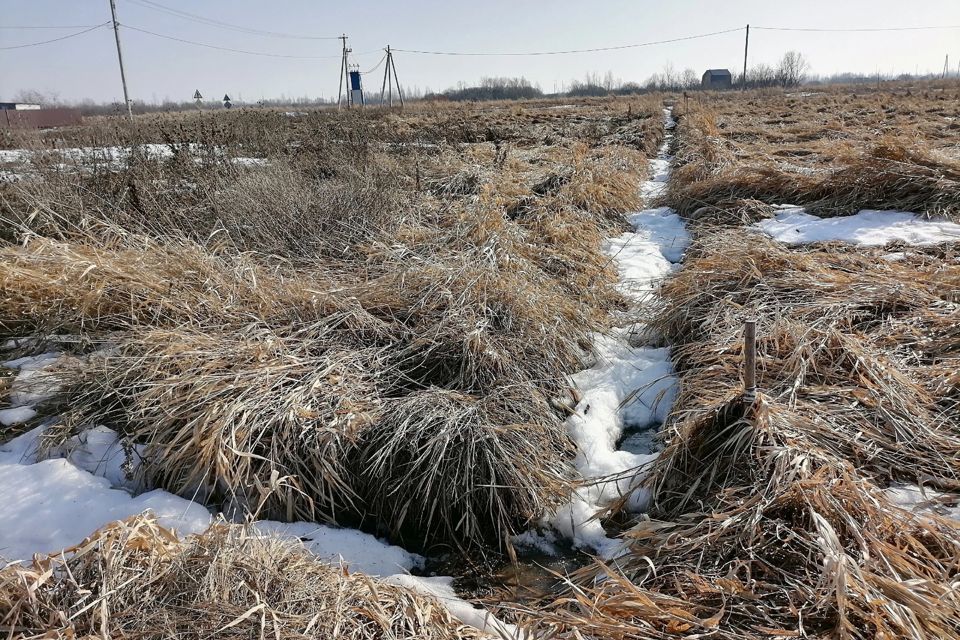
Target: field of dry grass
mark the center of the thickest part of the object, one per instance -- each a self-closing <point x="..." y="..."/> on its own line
<point x="370" y="325"/>
<point x="834" y="152"/>
<point x="772" y="519"/>
<point x="374" y="325"/>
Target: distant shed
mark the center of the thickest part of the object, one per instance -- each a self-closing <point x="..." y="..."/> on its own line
<point x="717" y="79"/>
<point x="28" y="117"/>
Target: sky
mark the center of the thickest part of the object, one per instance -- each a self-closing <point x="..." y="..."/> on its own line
<point x="85" y="66"/>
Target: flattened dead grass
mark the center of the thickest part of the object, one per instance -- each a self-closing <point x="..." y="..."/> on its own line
<point x="771" y="520"/>
<point x="137" y="579"/>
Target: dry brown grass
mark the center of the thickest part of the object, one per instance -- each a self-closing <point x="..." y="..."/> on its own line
<point x="770" y="520"/>
<point x="136" y="579"/>
<point x="251" y="324"/>
<point x="832" y="152"/>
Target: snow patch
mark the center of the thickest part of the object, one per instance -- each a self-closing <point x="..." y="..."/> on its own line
<point x="360" y="551"/>
<point x="794" y="226"/>
<point x="629" y="387"/>
<point x="52" y="504"/>
<point x="441" y="588"/>
<point x="923" y="500"/>
<point x="17" y="415"/>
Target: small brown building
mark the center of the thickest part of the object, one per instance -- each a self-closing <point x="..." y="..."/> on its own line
<point x="717" y="79"/>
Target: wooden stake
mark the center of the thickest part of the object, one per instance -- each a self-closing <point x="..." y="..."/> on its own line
<point x="750" y="360"/>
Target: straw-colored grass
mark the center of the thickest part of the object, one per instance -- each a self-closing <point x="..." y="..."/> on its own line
<point x="832" y="153"/>
<point x="137" y="579"/>
<point x="770" y="520"/>
<point x="343" y="341"/>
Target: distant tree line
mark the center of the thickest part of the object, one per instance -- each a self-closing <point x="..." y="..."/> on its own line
<point x="790" y="71"/>
<point x="491" y="89"/>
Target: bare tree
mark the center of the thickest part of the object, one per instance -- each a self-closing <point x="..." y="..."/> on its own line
<point x="46" y="98"/>
<point x="792" y="69"/>
<point x="691" y="80"/>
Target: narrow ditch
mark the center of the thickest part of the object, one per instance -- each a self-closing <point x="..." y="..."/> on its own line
<point x="625" y="398"/>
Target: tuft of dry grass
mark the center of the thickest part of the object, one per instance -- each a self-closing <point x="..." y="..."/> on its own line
<point x="437" y="461"/>
<point x="136" y="579"/>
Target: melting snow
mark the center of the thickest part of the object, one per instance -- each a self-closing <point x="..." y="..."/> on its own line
<point x="359" y="551"/>
<point x="441" y="588"/>
<point x="629" y="386"/>
<point x="924" y="500"/>
<point x="793" y="225"/>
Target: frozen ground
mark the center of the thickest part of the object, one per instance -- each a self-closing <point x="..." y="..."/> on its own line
<point x="793" y="225"/>
<point x="631" y="387"/>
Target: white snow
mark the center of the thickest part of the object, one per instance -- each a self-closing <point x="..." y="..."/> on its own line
<point x="359" y="551"/>
<point x="99" y="451"/>
<point x="17" y="415"/>
<point x="49" y="505"/>
<point x="441" y="588"/>
<point x="31" y="386"/>
<point x="118" y="157"/>
<point x="794" y="226"/>
<point x="629" y="386"/>
<point x="923" y="500"/>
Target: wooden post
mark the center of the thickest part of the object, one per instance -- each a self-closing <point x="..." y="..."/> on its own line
<point x="749" y="360"/>
<point x="746" y="49"/>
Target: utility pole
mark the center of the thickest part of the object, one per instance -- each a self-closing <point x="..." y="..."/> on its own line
<point x="344" y="74"/>
<point x="393" y="65"/>
<point x="389" y="79"/>
<point x="123" y="76"/>
<point x="746" y="48"/>
<point x="946" y="65"/>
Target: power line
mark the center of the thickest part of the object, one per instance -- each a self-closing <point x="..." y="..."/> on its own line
<point x="244" y="51"/>
<point x="192" y="17"/>
<point x="72" y="35"/>
<point x="376" y="66"/>
<point x="554" y="53"/>
<point x="853" y="30"/>
<point x="49" y="26"/>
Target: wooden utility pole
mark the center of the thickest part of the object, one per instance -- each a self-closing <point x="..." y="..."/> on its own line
<point x="123" y="75"/>
<point x="386" y="74"/>
<point x="389" y="79"/>
<point x="750" y="360"/>
<point x="746" y="49"/>
<point x="344" y="74"/>
<point x="393" y="65"/>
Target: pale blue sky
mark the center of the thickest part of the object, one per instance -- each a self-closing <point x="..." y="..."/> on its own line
<point x="86" y="66"/>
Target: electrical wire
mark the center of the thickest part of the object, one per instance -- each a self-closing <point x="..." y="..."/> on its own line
<point x="232" y="50"/>
<point x="185" y="15"/>
<point x="72" y="35"/>
<point x="854" y="30"/>
<point x="554" y="53"/>
<point x="376" y="66"/>
<point x="49" y="26"/>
